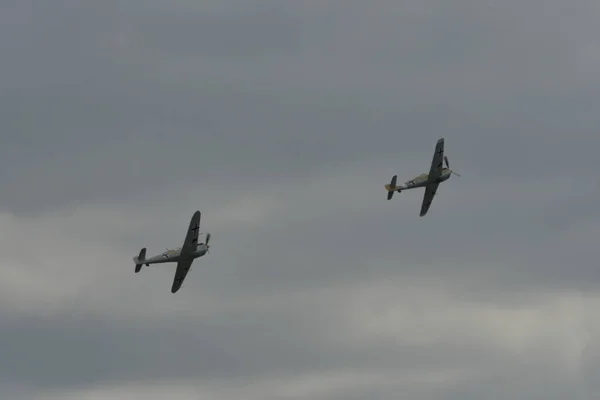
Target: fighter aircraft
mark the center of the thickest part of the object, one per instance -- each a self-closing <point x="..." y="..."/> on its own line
<point x="184" y="256"/>
<point x="437" y="174"/>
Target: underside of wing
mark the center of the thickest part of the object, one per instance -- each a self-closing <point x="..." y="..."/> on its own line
<point x="183" y="267"/>
<point x="191" y="238"/>
<point x="437" y="163"/>
<point x="430" y="191"/>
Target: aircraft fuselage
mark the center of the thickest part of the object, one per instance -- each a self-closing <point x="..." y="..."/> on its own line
<point x="175" y="255"/>
<point x="423" y="180"/>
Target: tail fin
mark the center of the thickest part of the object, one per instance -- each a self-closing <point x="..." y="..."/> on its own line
<point x="391" y="187"/>
<point x="139" y="260"/>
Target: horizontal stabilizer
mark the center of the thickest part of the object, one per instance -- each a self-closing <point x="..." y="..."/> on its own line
<point x="391" y="187"/>
<point x="139" y="260"/>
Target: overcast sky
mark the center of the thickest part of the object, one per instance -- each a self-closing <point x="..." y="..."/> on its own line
<point x="281" y="120"/>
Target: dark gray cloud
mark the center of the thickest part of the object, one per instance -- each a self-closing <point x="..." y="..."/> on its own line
<point x="282" y="121"/>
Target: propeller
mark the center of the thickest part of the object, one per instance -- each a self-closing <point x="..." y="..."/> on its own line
<point x="392" y="187"/>
<point x="207" y="242"/>
<point x="448" y="165"/>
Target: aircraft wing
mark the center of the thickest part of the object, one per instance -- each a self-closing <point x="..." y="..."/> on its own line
<point x="428" y="197"/>
<point x="437" y="163"/>
<point x="183" y="267"/>
<point x="191" y="238"/>
<point x="189" y="245"/>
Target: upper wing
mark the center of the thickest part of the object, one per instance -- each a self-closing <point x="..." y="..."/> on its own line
<point x="428" y="197"/>
<point x="437" y="163"/>
<point x="183" y="267"/>
<point x="191" y="238"/>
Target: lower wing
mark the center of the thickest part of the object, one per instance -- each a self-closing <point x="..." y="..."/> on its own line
<point x="183" y="267"/>
<point x="430" y="191"/>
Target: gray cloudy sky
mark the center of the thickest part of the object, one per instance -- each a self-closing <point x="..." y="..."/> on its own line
<point x="281" y="121"/>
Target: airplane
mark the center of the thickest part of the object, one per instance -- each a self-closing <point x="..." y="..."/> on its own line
<point x="430" y="181"/>
<point x="184" y="256"/>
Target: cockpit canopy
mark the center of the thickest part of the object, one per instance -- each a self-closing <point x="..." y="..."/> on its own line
<point x="171" y="251"/>
<point x="418" y="178"/>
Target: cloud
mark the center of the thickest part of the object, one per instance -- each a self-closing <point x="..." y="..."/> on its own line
<point x="443" y="344"/>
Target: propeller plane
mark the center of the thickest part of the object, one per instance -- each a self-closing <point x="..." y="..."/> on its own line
<point x="184" y="256"/>
<point x="430" y="181"/>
